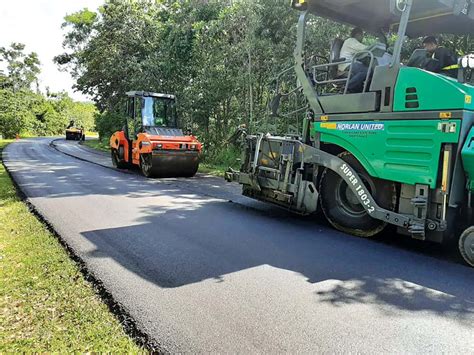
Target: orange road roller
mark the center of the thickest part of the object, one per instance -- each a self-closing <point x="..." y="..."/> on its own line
<point x="151" y="139"/>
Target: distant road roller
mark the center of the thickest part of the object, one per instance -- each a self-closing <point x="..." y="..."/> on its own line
<point x="75" y="133"/>
<point x="151" y="139"/>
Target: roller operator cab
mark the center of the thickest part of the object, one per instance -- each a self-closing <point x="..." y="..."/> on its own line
<point x="151" y="139"/>
<point x="399" y="152"/>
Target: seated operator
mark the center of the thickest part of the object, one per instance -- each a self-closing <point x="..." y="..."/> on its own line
<point x="350" y="48"/>
<point x="441" y="60"/>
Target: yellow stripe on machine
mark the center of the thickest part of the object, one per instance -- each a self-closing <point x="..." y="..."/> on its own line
<point x="329" y="125"/>
<point x="451" y="67"/>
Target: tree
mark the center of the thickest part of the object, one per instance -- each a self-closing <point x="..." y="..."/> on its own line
<point x="22" y="69"/>
<point x="15" y="113"/>
<point x="219" y="57"/>
<point x="216" y="56"/>
<point x="25" y="111"/>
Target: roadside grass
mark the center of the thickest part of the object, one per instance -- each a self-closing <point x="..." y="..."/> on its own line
<point x="212" y="169"/>
<point x="45" y="303"/>
<point x="218" y="161"/>
<point x="97" y="144"/>
<point x="92" y="134"/>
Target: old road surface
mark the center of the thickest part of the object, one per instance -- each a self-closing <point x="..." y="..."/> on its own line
<point x="201" y="274"/>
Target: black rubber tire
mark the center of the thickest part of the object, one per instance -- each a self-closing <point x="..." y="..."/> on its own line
<point x="342" y="208"/>
<point x="466" y="245"/>
<point x="117" y="162"/>
<point x="146" y="166"/>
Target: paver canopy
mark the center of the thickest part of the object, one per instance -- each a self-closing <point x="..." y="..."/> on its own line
<point x="427" y="17"/>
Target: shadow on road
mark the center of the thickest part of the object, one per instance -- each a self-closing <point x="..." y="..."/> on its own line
<point x="186" y="235"/>
<point x="190" y="241"/>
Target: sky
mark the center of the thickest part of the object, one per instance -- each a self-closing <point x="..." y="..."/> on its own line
<point x="37" y="24"/>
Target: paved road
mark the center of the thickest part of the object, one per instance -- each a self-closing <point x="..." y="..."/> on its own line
<point x="201" y="274"/>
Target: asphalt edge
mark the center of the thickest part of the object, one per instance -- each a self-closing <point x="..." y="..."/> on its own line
<point x="54" y="146"/>
<point x="129" y="325"/>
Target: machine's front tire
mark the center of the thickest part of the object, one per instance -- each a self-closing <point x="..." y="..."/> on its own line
<point x="466" y="245"/>
<point x="343" y="209"/>
<point x="117" y="161"/>
<point x="146" y="165"/>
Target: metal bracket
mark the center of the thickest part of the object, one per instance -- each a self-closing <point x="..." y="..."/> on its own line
<point x="311" y="155"/>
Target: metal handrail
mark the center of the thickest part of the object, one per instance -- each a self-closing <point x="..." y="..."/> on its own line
<point x="358" y="55"/>
<point x="315" y="68"/>
<point x="301" y="109"/>
<point x="325" y="68"/>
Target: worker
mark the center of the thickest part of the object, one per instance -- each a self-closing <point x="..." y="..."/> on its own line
<point x="351" y="47"/>
<point x="442" y="60"/>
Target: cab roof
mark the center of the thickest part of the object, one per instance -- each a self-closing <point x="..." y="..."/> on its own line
<point x="427" y="16"/>
<point x="150" y="94"/>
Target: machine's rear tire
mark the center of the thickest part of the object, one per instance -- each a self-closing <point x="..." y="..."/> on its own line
<point x="466" y="245"/>
<point x="342" y="208"/>
<point x="146" y="165"/>
<point x="117" y="161"/>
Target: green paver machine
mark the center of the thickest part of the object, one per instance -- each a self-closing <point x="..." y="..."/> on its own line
<point x="401" y="152"/>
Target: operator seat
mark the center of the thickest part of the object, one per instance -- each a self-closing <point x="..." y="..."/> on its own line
<point x="349" y="103"/>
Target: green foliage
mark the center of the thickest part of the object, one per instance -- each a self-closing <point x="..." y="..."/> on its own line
<point x="223" y="156"/>
<point x="23" y="69"/>
<point x="218" y="57"/>
<point x="15" y="113"/>
<point x="23" y="111"/>
<point x="107" y="123"/>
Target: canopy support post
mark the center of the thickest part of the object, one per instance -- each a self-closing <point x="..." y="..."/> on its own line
<point x="402" y="29"/>
<point x="306" y="83"/>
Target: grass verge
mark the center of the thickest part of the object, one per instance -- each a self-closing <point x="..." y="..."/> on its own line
<point x="97" y="144"/>
<point x="45" y="303"/>
<point x="211" y="169"/>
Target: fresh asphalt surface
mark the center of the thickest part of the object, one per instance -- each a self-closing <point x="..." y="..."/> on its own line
<point x="201" y="274"/>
